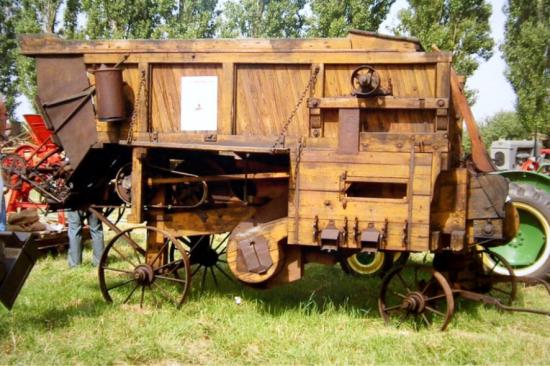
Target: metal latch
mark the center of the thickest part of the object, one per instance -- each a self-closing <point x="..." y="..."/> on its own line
<point x="330" y="237"/>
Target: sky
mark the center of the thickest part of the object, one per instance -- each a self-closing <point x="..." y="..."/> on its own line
<point x="494" y="93"/>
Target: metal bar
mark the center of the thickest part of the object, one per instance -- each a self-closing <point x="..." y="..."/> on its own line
<point x="83" y="94"/>
<point x="386" y="102"/>
<point x="217" y="178"/>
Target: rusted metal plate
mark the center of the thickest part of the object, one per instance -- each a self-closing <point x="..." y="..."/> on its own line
<point x="60" y="78"/>
<point x="348" y="131"/>
<point x="255" y="254"/>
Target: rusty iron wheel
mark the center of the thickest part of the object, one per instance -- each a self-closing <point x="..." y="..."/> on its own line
<point x="416" y="292"/>
<point x="501" y="284"/>
<point x="130" y="275"/>
<point x="208" y="258"/>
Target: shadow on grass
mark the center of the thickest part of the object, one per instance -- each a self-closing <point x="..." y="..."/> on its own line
<point x="322" y="289"/>
<point x="29" y="317"/>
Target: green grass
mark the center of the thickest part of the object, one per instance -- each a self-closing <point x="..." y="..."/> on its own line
<point x="327" y="318"/>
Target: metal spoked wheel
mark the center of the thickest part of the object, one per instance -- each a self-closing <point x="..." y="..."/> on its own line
<point x="501" y="285"/>
<point x="128" y="274"/>
<point x="208" y="257"/>
<point x="418" y="292"/>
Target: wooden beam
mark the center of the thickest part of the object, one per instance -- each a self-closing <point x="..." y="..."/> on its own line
<point x="378" y="103"/>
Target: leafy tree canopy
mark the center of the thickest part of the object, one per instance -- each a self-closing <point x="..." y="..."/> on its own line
<point x="333" y="18"/>
<point x="459" y="26"/>
<point x="527" y="52"/>
<point x="262" y="18"/>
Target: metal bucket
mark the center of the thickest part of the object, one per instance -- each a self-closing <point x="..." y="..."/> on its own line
<point x="110" y="104"/>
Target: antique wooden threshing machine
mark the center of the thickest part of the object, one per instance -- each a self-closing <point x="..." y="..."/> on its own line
<point x="297" y="151"/>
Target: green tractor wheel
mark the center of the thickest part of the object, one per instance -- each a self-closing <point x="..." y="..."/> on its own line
<point x="369" y="264"/>
<point x="529" y="252"/>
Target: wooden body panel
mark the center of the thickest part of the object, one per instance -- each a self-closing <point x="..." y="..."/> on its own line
<point x="396" y="142"/>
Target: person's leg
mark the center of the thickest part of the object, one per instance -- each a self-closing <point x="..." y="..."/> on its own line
<point x="2" y="205"/>
<point x="96" y="231"/>
<point x="75" y="238"/>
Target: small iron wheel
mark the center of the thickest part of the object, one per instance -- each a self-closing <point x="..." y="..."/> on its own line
<point x="500" y="284"/>
<point x="421" y="293"/>
<point x="207" y="255"/>
<point x="364" y="81"/>
<point x="13" y="168"/>
<point x="128" y="274"/>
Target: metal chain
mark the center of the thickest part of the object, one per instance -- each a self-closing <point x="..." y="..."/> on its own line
<point x="137" y="106"/>
<point x="281" y="138"/>
<point x="299" y="150"/>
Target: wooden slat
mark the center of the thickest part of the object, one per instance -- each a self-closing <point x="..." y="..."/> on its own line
<point x="266" y="96"/>
<point x="389" y="159"/>
<point x="324" y="56"/>
<point x="401" y="142"/>
<point x="166" y="94"/>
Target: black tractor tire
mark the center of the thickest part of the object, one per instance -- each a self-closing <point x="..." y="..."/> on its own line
<point x="534" y="205"/>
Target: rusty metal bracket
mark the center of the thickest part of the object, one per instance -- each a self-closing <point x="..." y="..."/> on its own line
<point x="84" y="96"/>
<point x="255" y="254"/>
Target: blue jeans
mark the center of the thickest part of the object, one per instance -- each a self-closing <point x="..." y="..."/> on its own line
<point x="76" y="219"/>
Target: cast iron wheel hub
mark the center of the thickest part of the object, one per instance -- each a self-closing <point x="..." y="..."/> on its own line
<point x="143" y="274"/>
<point x="414" y="302"/>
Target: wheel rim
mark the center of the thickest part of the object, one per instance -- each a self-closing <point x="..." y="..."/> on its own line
<point x="424" y="294"/>
<point x="366" y="263"/>
<point x="503" y="289"/>
<point x="530" y="249"/>
<point x="130" y="275"/>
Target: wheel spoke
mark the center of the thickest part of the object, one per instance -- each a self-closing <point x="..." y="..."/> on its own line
<point x="224" y="273"/>
<point x="425" y="319"/>
<point x="214" y="276"/>
<point x="221" y="242"/>
<point x="120" y="284"/>
<point x="117" y="270"/>
<point x="173" y="265"/>
<point x="196" y="270"/>
<point x="429" y="299"/>
<point x="403" y="282"/>
<point x="162" y="250"/>
<point x="173" y="279"/>
<point x="203" y="282"/>
<point x="392" y="308"/>
<point x="165" y="294"/>
<point x="131" y="293"/>
<point x="435" y="311"/>
<point x="197" y="243"/>
<point x="123" y="257"/>
<point x="142" y="296"/>
<point x="502" y="291"/>
<point x="427" y="286"/>
<point x="399" y="294"/>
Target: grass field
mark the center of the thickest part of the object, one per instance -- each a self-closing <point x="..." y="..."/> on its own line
<point x="327" y="318"/>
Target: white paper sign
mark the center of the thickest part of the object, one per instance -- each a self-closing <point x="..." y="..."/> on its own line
<point x="199" y="103"/>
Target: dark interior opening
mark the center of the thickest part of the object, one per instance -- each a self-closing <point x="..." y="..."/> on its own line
<point x="377" y="190"/>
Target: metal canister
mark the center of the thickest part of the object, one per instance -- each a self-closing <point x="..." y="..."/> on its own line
<point x="110" y="104"/>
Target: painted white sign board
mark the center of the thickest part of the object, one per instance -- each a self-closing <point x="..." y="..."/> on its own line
<point x="199" y="103"/>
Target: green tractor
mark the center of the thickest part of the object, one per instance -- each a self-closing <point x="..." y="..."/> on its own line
<point x="529" y="252"/>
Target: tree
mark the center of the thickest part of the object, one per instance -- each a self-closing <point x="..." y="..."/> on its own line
<point x="526" y="50"/>
<point x="187" y="19"/>
<point x="8" y="54"/>
<point x="35" y="16"/>
<point x="262" y="18"/>
<point x="333" y="18"/>
<point x="120" y="19"/>
<point x="459" y="26"/>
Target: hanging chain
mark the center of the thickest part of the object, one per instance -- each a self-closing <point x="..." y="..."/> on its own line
<point x="299" y="150"/>
<point x="137" y="107"/>
<point x="281" y="138"/>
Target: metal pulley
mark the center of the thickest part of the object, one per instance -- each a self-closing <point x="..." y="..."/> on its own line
<point x="110" y="101"/>
<point x="365" y="81"/>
